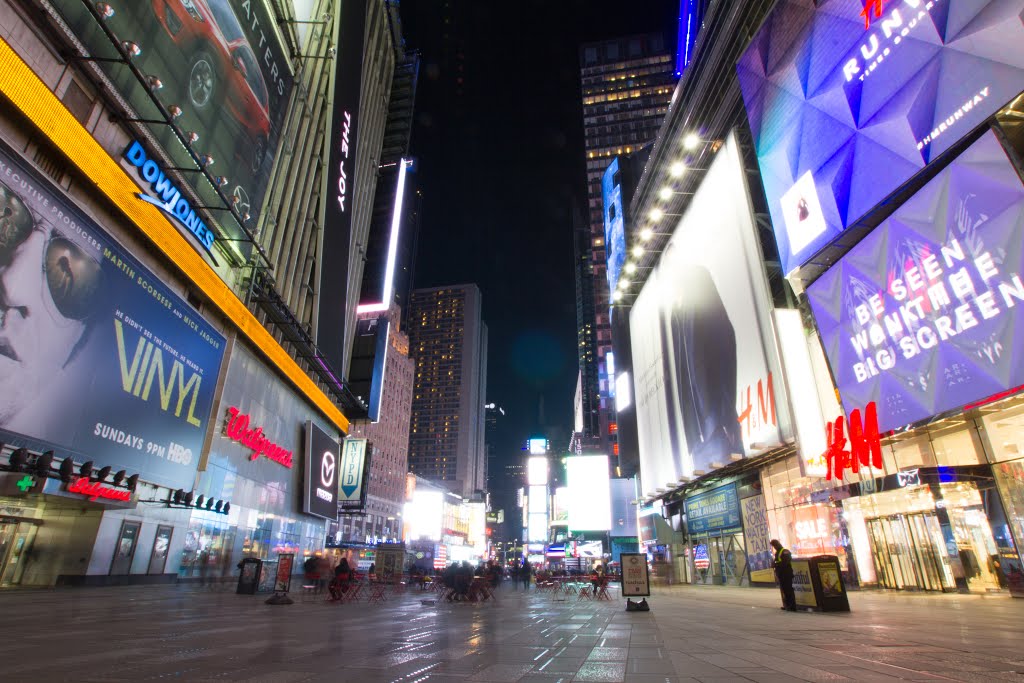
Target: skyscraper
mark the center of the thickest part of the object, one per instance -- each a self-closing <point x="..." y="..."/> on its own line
<point x="448" y="342"/>
<point x="627" y="85"/>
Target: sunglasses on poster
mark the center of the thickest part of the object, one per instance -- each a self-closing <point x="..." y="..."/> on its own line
<point x="73" y="277"/>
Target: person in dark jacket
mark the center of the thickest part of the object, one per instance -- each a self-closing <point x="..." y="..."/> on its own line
<point x="784" y="575"/>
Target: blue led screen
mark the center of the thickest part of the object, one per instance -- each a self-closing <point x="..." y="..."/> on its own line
<point x="848" y="103"/>
<point x="614" y="226"/>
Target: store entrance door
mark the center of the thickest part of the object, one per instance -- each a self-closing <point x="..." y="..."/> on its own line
<point x="16" y="539"/>
<point x="720" y="559"/>
<point x="908" y="552"/>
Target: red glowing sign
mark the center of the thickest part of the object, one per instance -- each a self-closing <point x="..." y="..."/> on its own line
<point x="95" y="490"/>
<point x="237" y="429"/>
<point x="871" y="6"/>
<point x="754" y="416"/>
<point x="865" y="443"/>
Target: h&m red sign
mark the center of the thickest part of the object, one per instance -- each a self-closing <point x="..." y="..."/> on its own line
<point x="237" y="429"/>
<point x="865" y="443"/>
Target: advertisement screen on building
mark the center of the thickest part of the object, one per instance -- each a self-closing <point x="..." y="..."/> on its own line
<point x="589" y="493"/>
<point x="923" y="315"/>
<point x="341" y="171"/>
<point x="703" y="391"/>
<point x="848" y="100"/>
<point x="323" y="472"/>
<point x="223" y="64"/>
<point x="98" y="358"/>
<point x="614" y="224"/>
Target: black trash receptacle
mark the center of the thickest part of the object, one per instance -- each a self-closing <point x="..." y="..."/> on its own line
<point x="818" y="584"/>
<point x="249" y="577"/>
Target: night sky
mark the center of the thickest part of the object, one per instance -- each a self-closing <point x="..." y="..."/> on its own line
<point x="499" y="141"/>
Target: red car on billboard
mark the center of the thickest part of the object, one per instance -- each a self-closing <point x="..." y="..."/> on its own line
<point x="222" y="74"/>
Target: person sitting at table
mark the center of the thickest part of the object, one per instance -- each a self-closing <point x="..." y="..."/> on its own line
<point x="597" y="577"/>
<point x="342" y="580"/>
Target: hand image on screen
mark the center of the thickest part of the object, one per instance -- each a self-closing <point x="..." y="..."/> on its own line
<point x="48" y="288"/>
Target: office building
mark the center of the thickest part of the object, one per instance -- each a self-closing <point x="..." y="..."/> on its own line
<point x="627" y="85"/>
<point x="448" y="342"/>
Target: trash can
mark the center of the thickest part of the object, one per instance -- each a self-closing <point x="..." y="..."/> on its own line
<point x="249" y="577"/>
<point x="818" y="584"/>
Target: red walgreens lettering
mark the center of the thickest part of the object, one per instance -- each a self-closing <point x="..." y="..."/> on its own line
<point x="865" y="443"/>
<point x="95" y="490"/>
<point x="237" y="429"/>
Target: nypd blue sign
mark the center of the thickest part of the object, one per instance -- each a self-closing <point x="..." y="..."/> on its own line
<point x="166" y="196"/>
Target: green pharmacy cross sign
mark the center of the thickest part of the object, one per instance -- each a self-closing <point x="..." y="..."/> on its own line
<point x="26" y="483"/>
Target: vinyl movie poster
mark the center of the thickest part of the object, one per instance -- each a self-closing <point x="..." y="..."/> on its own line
<point x="98" y="358"/>
<point x="707" y="390"/>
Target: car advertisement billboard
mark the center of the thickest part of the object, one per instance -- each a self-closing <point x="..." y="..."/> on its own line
<point x="922" y="316"/>
<point x="704" y="393"/>
<point x="99" y="360"/>
<point x="848" y="100"/>
<point x="614" y="224"/>
<point x="223" y="64"/>
<point x="325" y="466"/>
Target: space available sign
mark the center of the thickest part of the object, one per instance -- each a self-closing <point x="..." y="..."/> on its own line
<point x="716" y="509"/>
<point x="321" y="475"/>
<point x="703" y="391"/>
<point x="224" y="64"/>
<point x="923" y="315"/>
<point x="850" y="99"/>
<point x="97" y="356"/>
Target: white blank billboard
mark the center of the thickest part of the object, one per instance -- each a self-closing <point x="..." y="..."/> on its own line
<point x="706" y="373"/>
<point x="589" y="493"/>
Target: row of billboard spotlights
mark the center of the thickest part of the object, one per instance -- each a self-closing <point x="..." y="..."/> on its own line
<point x="676" y="170"/>
<point x="200" y="502"/>
<point x="42" y="466"/>
<point x="132" y="49"/>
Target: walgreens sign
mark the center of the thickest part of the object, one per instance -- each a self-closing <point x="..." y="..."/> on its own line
<point x="237" y="429"/>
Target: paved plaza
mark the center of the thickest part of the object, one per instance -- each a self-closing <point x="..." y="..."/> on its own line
<point x="711" y="634"/>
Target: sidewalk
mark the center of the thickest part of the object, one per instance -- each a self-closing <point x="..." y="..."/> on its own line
<point x="711" y="634"/>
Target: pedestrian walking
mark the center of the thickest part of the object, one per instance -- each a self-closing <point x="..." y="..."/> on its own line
<point x="784" y="575"/>
<point x="525" y="573"/>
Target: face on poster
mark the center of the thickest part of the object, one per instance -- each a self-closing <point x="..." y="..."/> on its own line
<point x="98" y="358"/>
<point x="222" y="62"/>
<point x="848" y="100"/>
<point x="923" y="316"/>
<point x="704" y="391"/>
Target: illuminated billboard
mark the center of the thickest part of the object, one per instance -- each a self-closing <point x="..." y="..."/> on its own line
<point x="848" y="100"/>
<point x="98" y="358"/>
<point x="537" y="472"/>
<point x="537" y="528"/>
<point x="614" y="225"/>
<point x="221" y="66"/>
<point x="589" y="493"/>
<point x="706" y="373"/>
<point x="922" y="316"/>
<point x="537" y="446"/>
<point x="422" y="519"/>
<point x="537" y="500"/>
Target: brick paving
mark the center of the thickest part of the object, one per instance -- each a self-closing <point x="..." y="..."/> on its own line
<point x="709" y="634"/>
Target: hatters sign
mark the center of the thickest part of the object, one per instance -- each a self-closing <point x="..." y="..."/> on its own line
<point x="237" y="429"/>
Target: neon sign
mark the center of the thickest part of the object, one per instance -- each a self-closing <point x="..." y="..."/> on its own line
<point x="237" y="429"/>
<point x="865" y="444"/>
<point x="166" y="195"/>
<point x="94" y="490"/>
